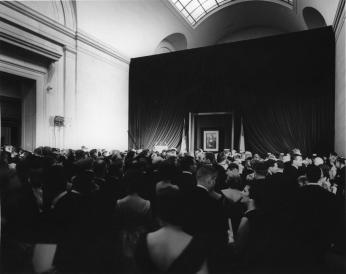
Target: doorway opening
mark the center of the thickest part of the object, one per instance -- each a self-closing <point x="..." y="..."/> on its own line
<point x="18" y="111"/>
<point x="11" y="121"/>
<point x="215" y="127"/>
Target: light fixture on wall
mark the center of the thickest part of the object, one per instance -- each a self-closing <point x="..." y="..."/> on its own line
<point x="49" y="88"/>
<point x="59" y="121"/>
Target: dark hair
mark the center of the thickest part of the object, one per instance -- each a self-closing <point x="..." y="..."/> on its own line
<point x="170" y="206"/>
<point x="232" y="166"/>
<point x="341" y="160"/>
<point x="115" y="168"/>
<point x="83" y="182"/>
<point x="210" y="156"/>
<point x="83" y="164"/>
<point x="325" y="170"/>
<point x="80" y="154"/>
<point x="93" y="152"/>
<point x="100" y="167"/>
<point x="221" y="157"/>
<point x="55" y="182"/>
<point x="257" y="191"/>
<point x="295" y="156"/>
<point x="281" y="164"/>
<point x="205" y="170"/>
<point x="186" y="162"/>
<point x="172" y="160"/>
<point x="167" y="170"/>
<point x="133" y="181"/>
<point x="313" y="173"/>
<point x="260" y="166"/>
<point x="271" y="163"/>
<point x="247" y="171"/>
<point x="55" y="176"/>
<point x="36" y="177"/>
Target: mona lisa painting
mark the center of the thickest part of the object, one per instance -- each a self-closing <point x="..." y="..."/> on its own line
<point x="211" y="140"/>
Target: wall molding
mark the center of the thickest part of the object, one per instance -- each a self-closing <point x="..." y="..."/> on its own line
<point x="24" y="10"/>
<point x="83" y="49"/>
<point x="77" y="35"/>
<point x="28" y="68"/>
<point x="339" y="18"/>
<point x="23" y="43"/>
<point x="87" y="39"/>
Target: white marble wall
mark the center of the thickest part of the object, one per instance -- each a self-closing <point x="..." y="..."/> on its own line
<point x="102" y="100"/>
<point x="76" y="77"/>
<point x="340" y="88"/>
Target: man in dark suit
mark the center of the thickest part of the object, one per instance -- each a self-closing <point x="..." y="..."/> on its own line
<point x="316" y="217"/>
<point x="275" y="171"/>
<point x="340" y="176"/>
<point x="206" y="216"/>
<point x="233" y="177"/>
<point x="279" y="188"/>
<point x="291" y="171"/>
<point x="186" y="180"/>
<point x="71" y="213"/>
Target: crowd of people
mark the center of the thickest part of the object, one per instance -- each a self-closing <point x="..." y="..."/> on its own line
<point x="155" y="212"/>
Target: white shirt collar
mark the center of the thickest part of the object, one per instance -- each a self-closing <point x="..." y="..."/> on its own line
<point x="57" y="198"/>
<point x="249" y="210"/>
<point x="62" y="194"/>
<point x="313" y="184"/>
<point x="295" y="166"/>
<point x="75" y="191"/>
<point x="202" y="187"/>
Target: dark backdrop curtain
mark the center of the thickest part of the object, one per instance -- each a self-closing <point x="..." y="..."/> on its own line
<point x="295" y="122"/>
<point x="282" y="86"/>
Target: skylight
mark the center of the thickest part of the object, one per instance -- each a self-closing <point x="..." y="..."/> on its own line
<point x="194" y="10"/>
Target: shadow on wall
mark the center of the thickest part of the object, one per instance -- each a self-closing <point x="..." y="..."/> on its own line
<point x="173" y="42"/>
<point x="313" y="18"/>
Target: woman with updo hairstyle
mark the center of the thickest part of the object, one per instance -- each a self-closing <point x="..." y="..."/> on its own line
<point x="170" y="249"/>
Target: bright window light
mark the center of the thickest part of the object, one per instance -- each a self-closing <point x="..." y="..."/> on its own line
<point x="194" y="10"/>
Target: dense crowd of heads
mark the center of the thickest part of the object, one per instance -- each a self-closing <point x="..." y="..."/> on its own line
<point x="110" y="195"/>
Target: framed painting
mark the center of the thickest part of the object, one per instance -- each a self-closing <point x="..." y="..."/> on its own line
<point x="211" y="140"/>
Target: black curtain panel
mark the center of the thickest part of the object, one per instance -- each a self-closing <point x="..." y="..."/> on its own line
<point x="282" y="86"/>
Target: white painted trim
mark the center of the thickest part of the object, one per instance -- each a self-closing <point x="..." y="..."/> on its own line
<point x="24" y="43"/>
<point x="95" y="53"/>
<point x="97" y="44"/>
<point x="66" y="32"/>
<point x="18" y="67"/>
<point x="339" y="18"/>
<point x="30" y="71"/>
<point x="24" y="10"/>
